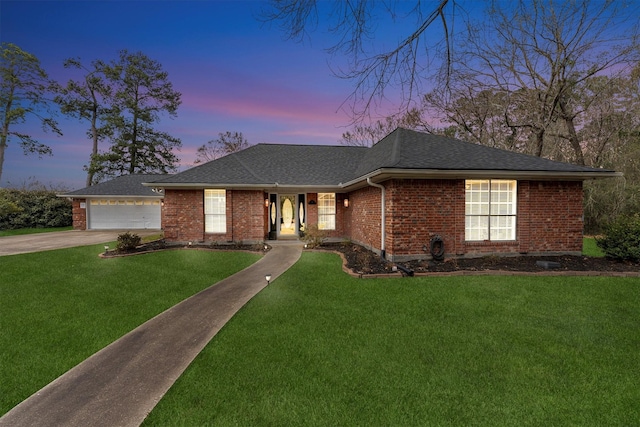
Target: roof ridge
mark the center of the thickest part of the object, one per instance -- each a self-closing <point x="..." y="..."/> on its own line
<point x="395" y="149"/>
<point x="237" y="158"/>
<point x="279" y="144"/>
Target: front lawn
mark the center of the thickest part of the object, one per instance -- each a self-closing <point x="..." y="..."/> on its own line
<point x="591" y="248"/>
<point x="318" y="347"/>
<point x="59" y="307"/>
<point x="22" y="231"/>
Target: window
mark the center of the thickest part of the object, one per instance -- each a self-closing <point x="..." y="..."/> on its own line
<point x="326" y="211"/>
<point x="490" y="210"/>
<point x="215" y="211"/>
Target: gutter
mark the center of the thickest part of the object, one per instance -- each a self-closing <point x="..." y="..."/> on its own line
<point x="383" y="216"/>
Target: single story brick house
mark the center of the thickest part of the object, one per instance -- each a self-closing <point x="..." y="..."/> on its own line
<point x="120" y="204"/>
<point x="393" y="197"/>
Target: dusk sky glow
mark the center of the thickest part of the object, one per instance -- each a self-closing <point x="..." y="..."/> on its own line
<point x="235" y="73"/>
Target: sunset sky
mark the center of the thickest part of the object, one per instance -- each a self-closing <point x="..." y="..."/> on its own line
<point x="235" y="73"/>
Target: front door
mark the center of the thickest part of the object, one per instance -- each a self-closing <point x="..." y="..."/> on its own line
<point x="288" y="215"/>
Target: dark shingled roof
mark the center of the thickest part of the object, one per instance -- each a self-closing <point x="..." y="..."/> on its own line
<point x="267" y="164"/>
<point x="402" y="149"/>
<point x="126" y="185"/>
<point x="407" y="149"/>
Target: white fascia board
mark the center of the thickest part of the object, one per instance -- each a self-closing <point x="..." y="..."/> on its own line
<point x="110" y="196"/>
<point x="386" y="174"/>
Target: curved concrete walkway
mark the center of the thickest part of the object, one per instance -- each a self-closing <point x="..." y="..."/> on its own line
<point x="120" y="385"/>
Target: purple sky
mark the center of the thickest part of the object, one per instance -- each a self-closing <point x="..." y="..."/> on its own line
<point x="234" y="73"/>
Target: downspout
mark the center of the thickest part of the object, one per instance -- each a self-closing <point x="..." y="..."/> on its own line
<point x="383" y="217"/>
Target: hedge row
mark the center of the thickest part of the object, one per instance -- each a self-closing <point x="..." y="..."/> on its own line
<point x="33" y="209"/>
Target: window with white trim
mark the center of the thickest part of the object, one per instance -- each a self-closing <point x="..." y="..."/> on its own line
<point x="490" y="209"/>
<point x="326" y="211"/>
<point x="215" y="211"/>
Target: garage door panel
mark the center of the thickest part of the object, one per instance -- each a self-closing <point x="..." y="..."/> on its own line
<point x="124" y="214"/>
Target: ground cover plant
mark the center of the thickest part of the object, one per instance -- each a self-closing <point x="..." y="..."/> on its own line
<point x="59" y="307"/>
<point x="318" y="347"/>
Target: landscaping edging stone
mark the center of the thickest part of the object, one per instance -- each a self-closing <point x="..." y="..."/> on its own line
<point x="171" y="247"/>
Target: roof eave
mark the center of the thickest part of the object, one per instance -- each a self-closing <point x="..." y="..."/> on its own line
<point x="99" y="196"/>
<point x="264" y="187"/>
<point x="390" y="173"/>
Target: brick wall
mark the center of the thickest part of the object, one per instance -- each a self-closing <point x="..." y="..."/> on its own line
<point x="363" y="217"/>
<point x="418" y="209"/>
<point x="246" y="215"/>
<point x="342" y="214"/>
<point x="183" y="215"/>
<point x="555" y="216"/>
<point x="549" y="218"/>
<point x="79" y="214"/>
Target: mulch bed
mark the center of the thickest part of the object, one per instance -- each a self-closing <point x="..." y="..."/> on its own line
<point x="362" y="261"/>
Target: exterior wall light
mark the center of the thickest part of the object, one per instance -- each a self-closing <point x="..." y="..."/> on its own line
<point x="267" y="277"/>
<point x="266" y="203"/>
<point x="346" y="203"/>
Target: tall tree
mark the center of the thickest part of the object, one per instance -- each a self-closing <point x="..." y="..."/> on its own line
<point x="226" y="143"/>
<point x="535" y="57"/>
<point x="23" y="89"/>
<point x="141" y="92"/>
<point x="87" y="99"/>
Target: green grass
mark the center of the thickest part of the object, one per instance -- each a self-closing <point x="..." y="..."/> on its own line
<point x="318" y="347"/>
<point x="22" y="231"/>
<point x="590" y="248"/>
<point x="59" y="307"/>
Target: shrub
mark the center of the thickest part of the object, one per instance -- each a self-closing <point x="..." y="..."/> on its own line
<point x="128" y="242"/>
<point x="33" y="209"/>
<point x="621" y="239"/>
<point x="313" y="236"/>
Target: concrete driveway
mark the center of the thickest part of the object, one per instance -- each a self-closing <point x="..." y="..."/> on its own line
<point x="12" y="245"/>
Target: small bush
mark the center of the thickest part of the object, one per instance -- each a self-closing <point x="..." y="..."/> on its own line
<point x="313" y="236"/>
<point x="621" y="239"/>
<point x="128" y="242"/>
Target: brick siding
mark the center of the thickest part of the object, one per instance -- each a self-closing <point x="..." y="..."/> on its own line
<point x="78" y="214"/>
<point x="549" y="218"/>
<point x="183" y="215"/>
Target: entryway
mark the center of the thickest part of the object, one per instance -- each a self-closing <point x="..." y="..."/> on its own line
<point x="286" y="215"/>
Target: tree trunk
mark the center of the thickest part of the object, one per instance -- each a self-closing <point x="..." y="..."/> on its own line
<point x="539" y="142"/>
<point x="134" y="144"/>
<point x="571" y="129"/>
<point x="5" y="131"/>
<point x="94" y="136"/>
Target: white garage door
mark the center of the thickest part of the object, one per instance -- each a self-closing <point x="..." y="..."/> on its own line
<point x="127" y="214"/>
